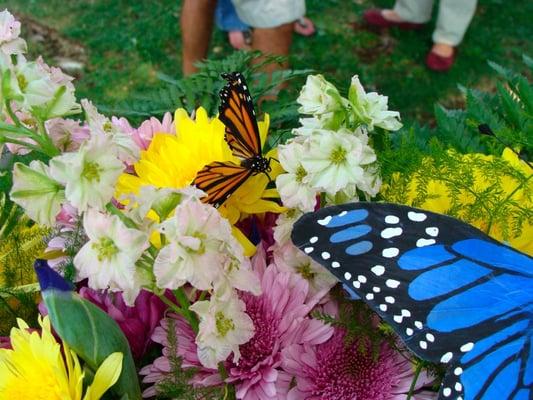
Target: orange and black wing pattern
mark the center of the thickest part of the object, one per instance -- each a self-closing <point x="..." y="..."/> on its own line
<point x="237" y="113"/>
<point x="219" y="180"/>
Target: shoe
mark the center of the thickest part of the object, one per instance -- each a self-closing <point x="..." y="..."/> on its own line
<point x="375" y="17"/>
<point x="439" y="63"/>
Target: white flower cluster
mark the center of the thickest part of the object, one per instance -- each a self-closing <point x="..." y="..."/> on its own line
<point x="330" y="153"/>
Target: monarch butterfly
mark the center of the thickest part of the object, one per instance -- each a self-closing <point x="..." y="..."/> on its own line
<point x="453" y="294"/>
<point x="220" y="179"/>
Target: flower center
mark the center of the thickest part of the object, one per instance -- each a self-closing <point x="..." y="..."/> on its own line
<point x="300" y="174"/>
<point x="305" y="271"/>
<point x="91" y="171"/>
<point x="224" y="325"/>
<point x="106" y="248"/>
<point x="22" y="81"/>
<point x="338" y="156"/>
<point x="107" y="127"/>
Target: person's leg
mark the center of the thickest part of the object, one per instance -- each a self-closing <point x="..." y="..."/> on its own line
<point x="414" y="11"/>
<point x="452" y="21"/>
<point x="196" y="28"/>
<point x="276" y="41"/>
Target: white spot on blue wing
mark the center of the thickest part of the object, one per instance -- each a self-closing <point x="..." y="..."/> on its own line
<point x="467" y="347"/>
<point x="416" y="217"/>
<point x="383" y="307"/>
<point x="376" y="289"/>
<point x="326" y="255"/>
<point x="378" y="270"/>
<point x="458" y="386"/>
<point x="308" y="250"/>
<point x="361" y="278"/>
<point x="335" y="264"/>
<point x="347" y="276"/>
<point x="446" y="357"/>
<point x="458" y="371"/>
<point x="325" y="221"/>
<point x="423" y="345"/>
<point x="409" y="332"/>
<point x="425" y="242"/>
<point x="390" y="299"/>
<point x="447" y="392"/>
<point x="392" y="219"/>
<point x="392" y="283"/>
<point x="343" y="213"/>
<point x="388" y="233"/>
<point x="432" y="231"/>
<point x="390" y="252"/>
<point x="370" y="296"/>
<point x="314" y="239"/>
<point x="430" y="337"/>
<point x="356" y="284"/>
<point x="419" y="324"/>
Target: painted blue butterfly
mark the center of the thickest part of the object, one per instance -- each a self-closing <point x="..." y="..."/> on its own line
<point x="453" y="294"/>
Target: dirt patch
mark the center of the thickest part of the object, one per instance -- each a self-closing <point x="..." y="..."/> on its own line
<point x="69" y="55"/>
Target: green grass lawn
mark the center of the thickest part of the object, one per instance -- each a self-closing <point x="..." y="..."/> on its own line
<point x="124" y="44"/>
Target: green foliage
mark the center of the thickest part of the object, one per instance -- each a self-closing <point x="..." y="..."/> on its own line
<point x="202" y="88"/>
<point x="176" y="384"/>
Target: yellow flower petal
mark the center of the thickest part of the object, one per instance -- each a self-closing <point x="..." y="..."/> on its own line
<point x="105" y="377"/>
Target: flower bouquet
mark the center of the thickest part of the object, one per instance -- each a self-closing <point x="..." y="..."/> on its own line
<point x="170" y="270"/>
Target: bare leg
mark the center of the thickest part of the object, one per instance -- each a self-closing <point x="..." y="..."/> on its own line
<point x="276" y="41"/>
<point x="196" y="27"/>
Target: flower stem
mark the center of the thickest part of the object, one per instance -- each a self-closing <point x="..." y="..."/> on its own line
<point x="184" y="302"/>
<point x="229" y="390"/>
<point x="413" y="383"/>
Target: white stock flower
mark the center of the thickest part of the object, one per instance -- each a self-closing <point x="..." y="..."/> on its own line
<point x="196" y="236"/>
<point x="308" y="126"/>
<point x="337" y="159"/>
<point x="321" y="99"/>
<point x="224" y="326"/>
<point x="371" y="109"/>
<point x="294" y="186"/>
<point x="44" y="91"/>
<point x="284" y="224"/>
<point x="90" y="174"/>
<point x="10" y="42"/>
<point x="108" y="258"/>
<point x="35" y="191"/>
<point x="128" y="150"/>
<point x="290" y="259"/>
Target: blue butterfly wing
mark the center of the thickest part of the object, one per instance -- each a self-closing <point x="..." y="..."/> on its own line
<point x="453" y="294"/>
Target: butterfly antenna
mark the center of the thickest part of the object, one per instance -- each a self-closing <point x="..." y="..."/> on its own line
<point x="485" y="129"/>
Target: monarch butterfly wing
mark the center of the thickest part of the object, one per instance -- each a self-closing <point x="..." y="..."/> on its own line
<point x="452" y="293"/>
<point x="219" y="180"/>
<point x="237" y="113"/>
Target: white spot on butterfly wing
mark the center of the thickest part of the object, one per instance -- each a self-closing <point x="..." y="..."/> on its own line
<point x="419" y="324"/>
<point x="388" y="233"/>
<point x="423" y="345"/>
<point x="430" y="337"/>
<point x="416" y="217"/>
<point x="335" y="264"/>
<point x="458" y="371"/>
<point x="361" y="278"/>
<point x="343" y="213"/>
<point x="446" y="357"/>
<point x="392" y="283"/>
<point x="324" y="221"/>
<point x="370" y="296"/>
<point x="376" y="289"/>
<point x="356" y="284"/>
<point x="308" y="250"/>
<point x="432" y="231"/>
<point x="390" y="252"/>
<point x="325" y="255"/>
<point x="424" y="242"/>
<point x="313" y="240"/>
<point x="390" y="299"/>
<point x="383" y="307"/>
<point x="467" y="347"/>
<point x="378" y="270"/>
<point x="347" y="276"/>
<point x="446" y="392"/>
<point x="458" y="386"/>
<point x="392" y="219"/>
<point x="409" y="332"/>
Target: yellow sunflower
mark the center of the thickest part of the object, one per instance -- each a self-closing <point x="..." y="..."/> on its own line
<point x="36" y="369"/>
<point x="172" y="161"/>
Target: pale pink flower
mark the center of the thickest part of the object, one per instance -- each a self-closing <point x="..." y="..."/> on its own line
<point x="337" y="371"/>
<point x="185" y="347"/>
<point x="67" y="134"/>
<point x="144" y="133"/>
<point x="10" y="43"/>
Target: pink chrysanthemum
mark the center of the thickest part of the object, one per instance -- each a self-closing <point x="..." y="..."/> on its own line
<point x="335" y="371"/>
<point x="185" y="348"/>
<point x="281" y="319"/>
